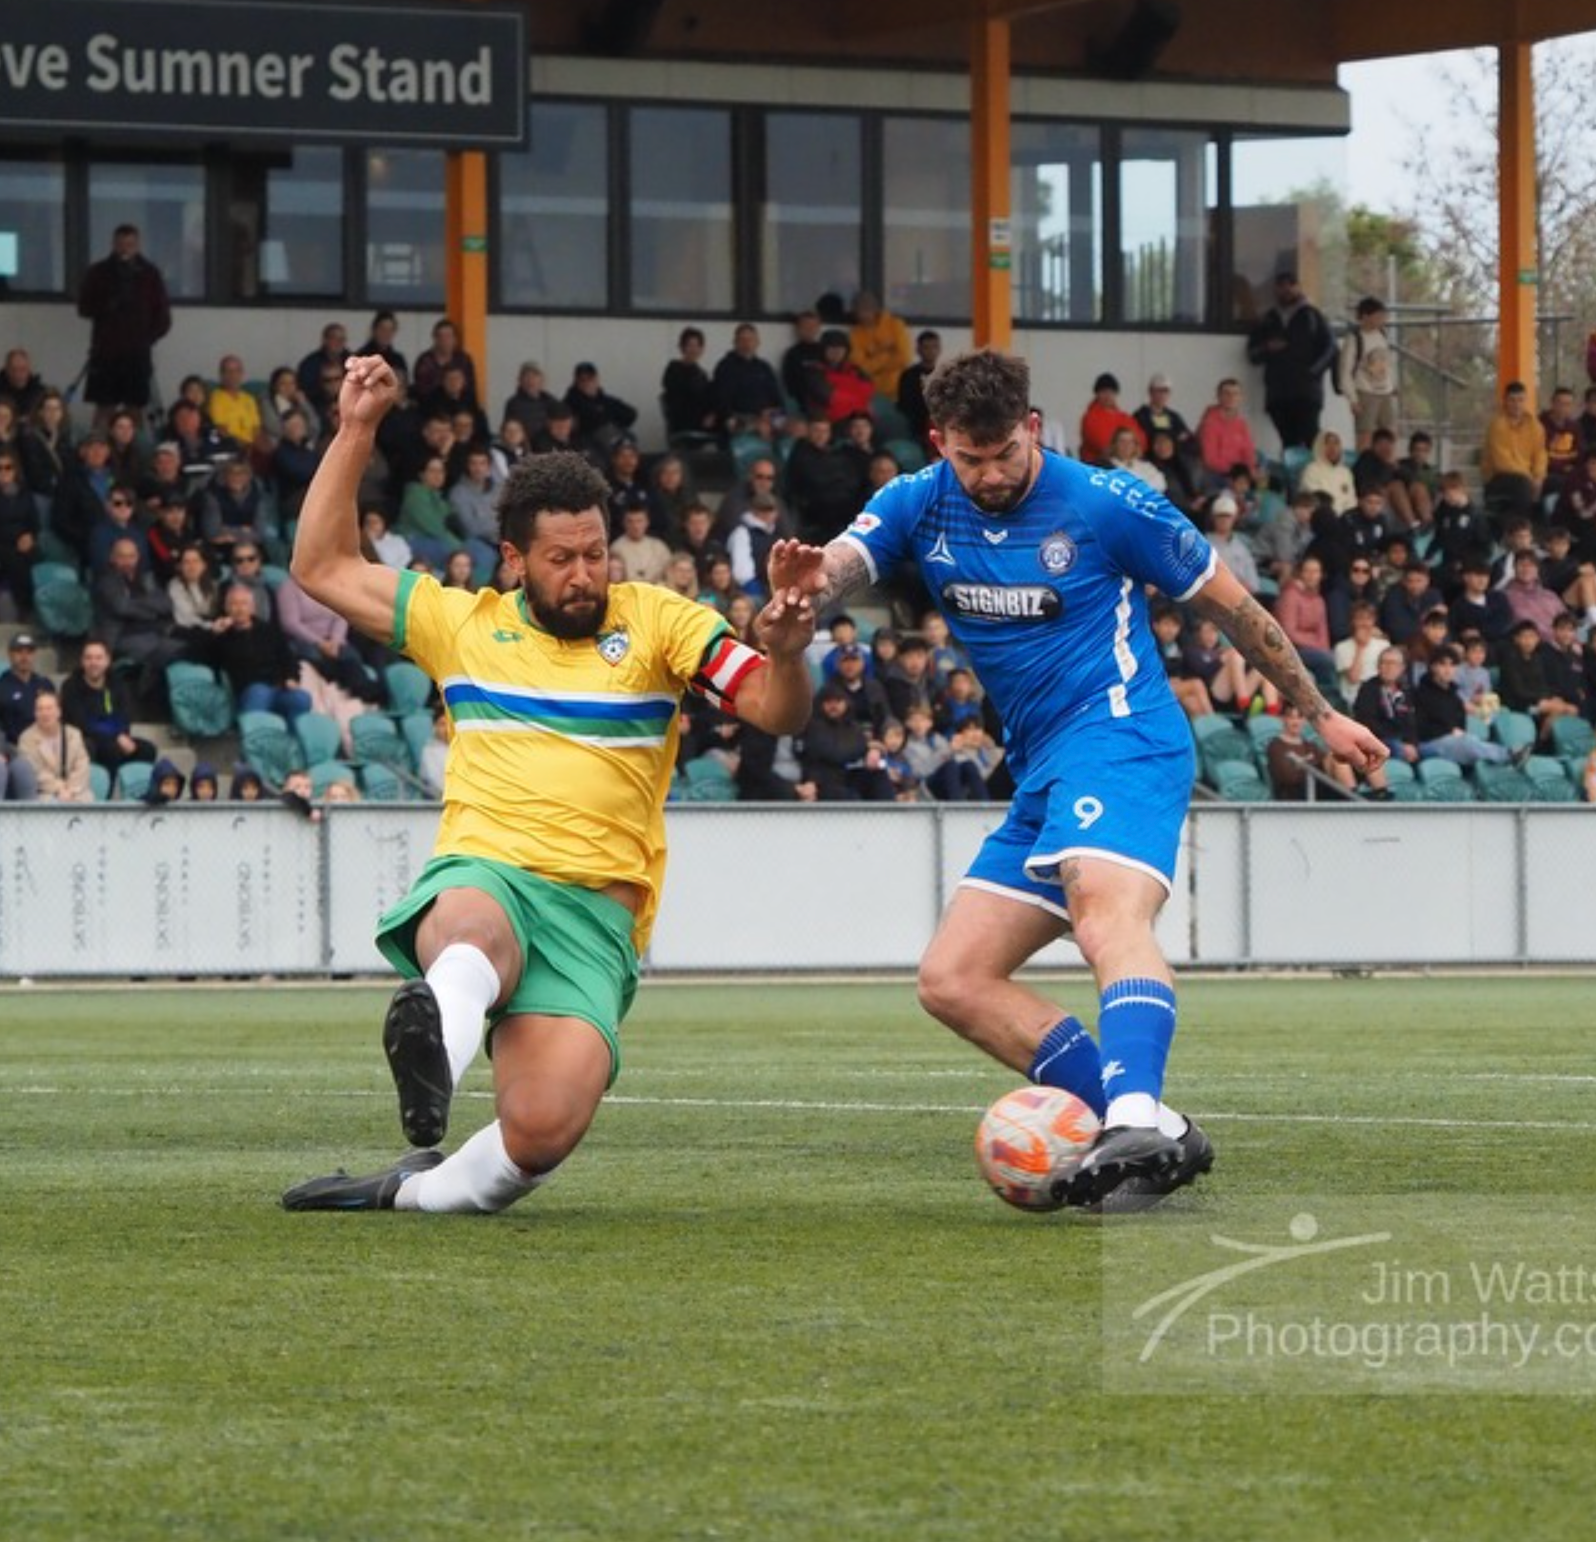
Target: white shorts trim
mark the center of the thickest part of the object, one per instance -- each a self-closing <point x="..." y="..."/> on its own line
<point x="1024" y="896"/>
<point x="1098" y="854"/>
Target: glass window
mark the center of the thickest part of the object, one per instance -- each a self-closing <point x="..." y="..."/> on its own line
<point x="681" y="216"/>
<point x="167" y="203"/>
<point x="553" y="239"/>
<point x="32" y="216"/>
<point x="1166" y="197"/>
<point x="404" y="227"/>
<point x="302" y="239"/>
<point x="813" y="209"/>
<point x="1284" y="194"/>
<point x="1056" y="222"/>
<point x="926" y="256"/>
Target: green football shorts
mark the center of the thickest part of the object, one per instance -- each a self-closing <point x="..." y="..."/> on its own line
<point x="577" y="943"/>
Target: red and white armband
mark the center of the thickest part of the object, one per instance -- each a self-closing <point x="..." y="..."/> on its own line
<point x="727" y="663"/>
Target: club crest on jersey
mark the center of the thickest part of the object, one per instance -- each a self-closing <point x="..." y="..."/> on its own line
<point x="1057" y="553"/>
<point x="613" y="646"/>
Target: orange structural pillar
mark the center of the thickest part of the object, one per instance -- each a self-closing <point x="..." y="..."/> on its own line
<point x="992" y="308"/>
<point x="466" y="262"/>
<point x="1518" y="278"/>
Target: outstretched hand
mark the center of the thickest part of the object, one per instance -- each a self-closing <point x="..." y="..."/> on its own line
<point x="1350" y="741"/>
<point x="370" y="388"/>
<point x="796" y="566"/>
<point x="786" y="626"/>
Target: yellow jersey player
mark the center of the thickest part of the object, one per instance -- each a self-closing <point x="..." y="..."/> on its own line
<point x="563" y="698"/>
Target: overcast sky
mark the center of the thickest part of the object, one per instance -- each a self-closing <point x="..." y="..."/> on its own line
<point x="1394" y="101"/>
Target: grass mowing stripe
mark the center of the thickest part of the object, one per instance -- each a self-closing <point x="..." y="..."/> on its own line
<point x="789" y="1324"/>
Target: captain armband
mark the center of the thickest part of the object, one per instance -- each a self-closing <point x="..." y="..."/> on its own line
<point x="726" y="665"/>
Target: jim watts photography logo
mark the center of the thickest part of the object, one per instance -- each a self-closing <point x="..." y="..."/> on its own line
<point x="1304" y="1230"/>
<point x="1403" y="1294"/>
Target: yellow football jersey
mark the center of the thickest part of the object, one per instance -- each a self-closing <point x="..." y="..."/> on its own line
<point x="561" y="751"/>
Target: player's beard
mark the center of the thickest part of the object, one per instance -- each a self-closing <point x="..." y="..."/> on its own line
<point x="571" y="621"/>
<point x="1002" y="500"/>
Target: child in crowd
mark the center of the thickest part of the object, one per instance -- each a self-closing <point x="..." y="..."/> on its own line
<point x="946" y="655"/>
<point x="960" y="702"/>
<point x="1189" y="691"/>
<point x="1474" y="679"/>
<point x="248" y="787"/>
<point x="894" y="739"/>
<point x="166" y="783"/>
<point x="203" y="786"/>
<point x="844" y="634"/>
<point x="929" y="756"/>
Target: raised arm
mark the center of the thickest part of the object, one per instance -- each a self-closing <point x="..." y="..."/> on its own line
<point x="327" y="561"/>
<point x="827" y="575"/>
<point x="1266" y="647"/>
<point x="776" y="697"/>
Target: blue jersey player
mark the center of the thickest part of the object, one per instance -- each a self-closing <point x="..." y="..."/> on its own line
<point x="1041" y="567"/>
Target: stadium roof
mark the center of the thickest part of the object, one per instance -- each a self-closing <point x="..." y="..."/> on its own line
<point x="1281" y="41"/>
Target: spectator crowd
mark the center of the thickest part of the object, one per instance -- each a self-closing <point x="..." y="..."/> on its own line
<point x="151" y="541"/>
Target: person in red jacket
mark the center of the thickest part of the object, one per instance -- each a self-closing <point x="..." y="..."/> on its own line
<point x="849" y="389"/>
<point x="1104" y="418"/>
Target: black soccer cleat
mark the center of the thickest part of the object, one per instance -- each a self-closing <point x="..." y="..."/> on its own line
<point x="338" y="1191"/>
<point x="1118" y="1155"/>
<point x="412" y="1039"/>
<point x="1137" y="1194"/>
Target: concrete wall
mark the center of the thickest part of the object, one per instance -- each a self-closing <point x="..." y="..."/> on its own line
<point x="119" y="891"/>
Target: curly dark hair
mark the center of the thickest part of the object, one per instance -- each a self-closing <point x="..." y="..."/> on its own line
<point x="982" y="394"/>
<point x="560" y="482"/>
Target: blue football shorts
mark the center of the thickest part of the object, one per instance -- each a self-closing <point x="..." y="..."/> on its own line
<point x="1111" y="788"/>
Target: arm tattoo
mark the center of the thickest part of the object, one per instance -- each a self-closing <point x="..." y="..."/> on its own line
<point x="846" y="573"/>
<point x="1258" y="636"/>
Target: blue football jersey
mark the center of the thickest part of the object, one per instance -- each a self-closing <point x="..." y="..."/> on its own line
<point x="1047" y="598"/>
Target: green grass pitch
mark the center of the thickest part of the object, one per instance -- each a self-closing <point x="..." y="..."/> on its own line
<point x="769" y="1298"/>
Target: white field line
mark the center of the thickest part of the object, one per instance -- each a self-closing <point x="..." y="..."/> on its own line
<point x="801" y="1105"/>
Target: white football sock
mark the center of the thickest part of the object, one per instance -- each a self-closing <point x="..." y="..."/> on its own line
<point x="477" y="1180"/>
<point x="1135" y="1108"/>
<point x="1171" y="1122"/>
<point x="465" y="985"/>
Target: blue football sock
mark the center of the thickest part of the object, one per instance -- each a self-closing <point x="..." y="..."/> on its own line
<point x="1136" y="1022"/>
<point x="1067" y="1057"/>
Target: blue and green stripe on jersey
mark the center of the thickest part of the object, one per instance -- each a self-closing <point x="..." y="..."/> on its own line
<point x="616" y="722"/>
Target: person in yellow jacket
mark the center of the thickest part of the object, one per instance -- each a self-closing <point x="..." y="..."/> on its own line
<point x="230" y="407"/>
<point x="879" y="343"/>
<point x="1513" y="464"/>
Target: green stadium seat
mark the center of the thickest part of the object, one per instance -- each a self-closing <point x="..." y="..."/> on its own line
<point x="409" y="688"/>
<point x="269" y="746"/>
<point x="100" y="780"/>
<point x="1573" y="738"/>
<point x="326" y="772"/>
<point x="202" y="706"/>
<point x="417" y="730"/>
<point x="1549" y="780"/>
<point x="132" y="781"/>
<point x="1221" y="744"/>
<point x="889" y="419"/>
<point x="1443" y="781"/>
<point x="1503" y="784"/>
<point x="705" y="780"/>
<point x="380" y="784"/>
<point x="375" y="738"/>
<point x="1238" y="782"/>
<point x="65" y="609"/>
<point x="319" y="737"/>
<point x="909" y="453"/>
<point x="1513" y="729"/>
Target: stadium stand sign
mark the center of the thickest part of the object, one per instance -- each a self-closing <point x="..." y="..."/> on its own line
<point x="452" y="77"/>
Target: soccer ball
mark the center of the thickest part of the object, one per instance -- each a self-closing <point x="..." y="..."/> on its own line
<point x="1030" y="1140"/>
